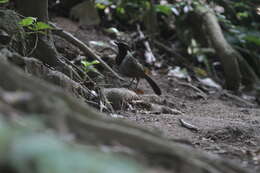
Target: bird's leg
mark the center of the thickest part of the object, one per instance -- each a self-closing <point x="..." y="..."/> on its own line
<point x="137" y="82"/>
<point x="131" y="82"/>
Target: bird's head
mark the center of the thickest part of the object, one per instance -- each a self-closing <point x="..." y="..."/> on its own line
<point x="122" y="46"/>
<point x="122" y="51"/>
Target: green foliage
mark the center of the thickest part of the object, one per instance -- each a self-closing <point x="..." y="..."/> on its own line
<point x="131" y="10"/>
<point x="89" y="66"/>
<point x="238" y="20"/>
<point x="28" y="21"/>
<point x="253" y="39"/>
<point x="165" y="9"/>
<point x="244" y="37"/>
<point x="41" y="26"/>
<point x="33" y="25"/>
<point x="241" y="29"/>
<point x="242" y="14"/>
<point x="3" y="1"/>
<point x="29" y="147"/>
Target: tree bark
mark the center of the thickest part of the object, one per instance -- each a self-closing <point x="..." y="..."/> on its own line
<point x="45" y="49"/>
<point x="228" y="56"/>
<point x="35" y="8"/>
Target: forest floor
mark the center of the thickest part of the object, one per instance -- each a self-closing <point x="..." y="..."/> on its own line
<point x="226" y="126"/>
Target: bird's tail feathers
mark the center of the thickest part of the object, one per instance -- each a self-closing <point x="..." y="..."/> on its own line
<point x="154" y="86"/>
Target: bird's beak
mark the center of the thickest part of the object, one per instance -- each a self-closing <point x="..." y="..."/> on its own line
<point x="115" y="43"/>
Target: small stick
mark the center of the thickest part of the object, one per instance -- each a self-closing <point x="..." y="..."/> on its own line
<point x="188" y="125"/>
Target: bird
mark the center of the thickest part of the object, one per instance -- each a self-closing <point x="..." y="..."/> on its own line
<point x="129" y="66"/>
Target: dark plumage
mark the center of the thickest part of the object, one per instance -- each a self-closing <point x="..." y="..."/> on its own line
<point x="130" y="67"/>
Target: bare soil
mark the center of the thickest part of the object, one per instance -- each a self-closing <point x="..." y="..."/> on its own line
<point x="226" y="126"/>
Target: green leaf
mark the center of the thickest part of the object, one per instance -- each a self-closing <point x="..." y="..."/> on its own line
<point x="41" y="26"/>
<point x="241" y="15"/>
<point x="120" y="10"/>
<point x="100" y="6"/>
<point x="88" y="66"/>
<point x="165" y="9"/>
<point x="87" y="63"/>
<point x="3" y="1"/>
<point x="95" y="62"/>
<point x="253" y="39"/>
<point x="27" y="21"/>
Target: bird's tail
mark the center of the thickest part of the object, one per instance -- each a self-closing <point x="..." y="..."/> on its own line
<point x="154" y="86"/>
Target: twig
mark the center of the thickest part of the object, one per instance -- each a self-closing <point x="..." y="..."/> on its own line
<point x="203" y="94"/>
<point x="83" y="47"/>
<point x="35" y="45"/>
<point x="188" y="125"/>
<point x="237" y="98"/>
<point x="79" y="71"/>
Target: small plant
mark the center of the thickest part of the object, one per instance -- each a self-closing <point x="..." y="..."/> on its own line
<point x="89" y="66"/>
<point x="33" y="25"/>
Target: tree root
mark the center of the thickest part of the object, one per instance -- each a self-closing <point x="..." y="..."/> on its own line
<point x="36" y="68"/>
<point x="90" y="126"/>
<point x="83" y="47"/>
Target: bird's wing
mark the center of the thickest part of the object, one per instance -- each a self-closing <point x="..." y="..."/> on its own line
<point x="134" y="60"/>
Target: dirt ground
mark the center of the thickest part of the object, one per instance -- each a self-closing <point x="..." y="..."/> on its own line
<point x="226" y="126"/>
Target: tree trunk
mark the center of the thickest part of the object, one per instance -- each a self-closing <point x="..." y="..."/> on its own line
<point x="45" y="49"/>
<point x="35" y="8"/>
<point x="228" y="56"/>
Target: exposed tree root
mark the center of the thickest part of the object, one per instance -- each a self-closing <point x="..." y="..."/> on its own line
<point x="39" y="46"/>
<point x="37" y="68"/>
<point x="84" y="48"/>
<point x="89" y="126"/>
